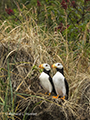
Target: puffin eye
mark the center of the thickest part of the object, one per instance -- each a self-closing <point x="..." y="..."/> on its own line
<point x="46" y="65"/>
<point x="58" y="64"/>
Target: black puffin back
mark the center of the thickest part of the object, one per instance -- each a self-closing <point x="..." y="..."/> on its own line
<point x="50" y="79"/>
<point x="67" y="88"/>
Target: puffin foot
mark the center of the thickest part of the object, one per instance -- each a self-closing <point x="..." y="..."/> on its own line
<point x="62" y="98"/>
<point x="56" y="96"/>
<point x="41" y="93"/>
<point x="49" y="94"/>
<point x="46" y="93"/>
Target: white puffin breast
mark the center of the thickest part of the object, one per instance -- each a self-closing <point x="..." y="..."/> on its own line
<point x="59" y="84"/>
<point x="45" y="83"/>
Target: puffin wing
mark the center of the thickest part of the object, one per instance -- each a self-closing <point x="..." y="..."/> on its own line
<point x="50" y="79"/>
<point x="67" y="88"/>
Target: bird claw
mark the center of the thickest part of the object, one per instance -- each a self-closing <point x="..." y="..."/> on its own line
<point x="46" y="93"/>
<point x="49" y="94"/>
<point x="56" y="96"/>
<point x="63" y="97"/>
<point x="41" y="93"/>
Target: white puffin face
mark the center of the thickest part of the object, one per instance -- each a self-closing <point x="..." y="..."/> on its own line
<point x="57" y="65"/>
<point x="45" y="66"/>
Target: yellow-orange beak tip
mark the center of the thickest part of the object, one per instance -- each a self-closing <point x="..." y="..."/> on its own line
<point x="41" y="66"/>
<point x="53" y="66"/>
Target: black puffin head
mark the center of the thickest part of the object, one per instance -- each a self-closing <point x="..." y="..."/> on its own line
<point x="46" y="68"/>
<point x="59" y="67"/>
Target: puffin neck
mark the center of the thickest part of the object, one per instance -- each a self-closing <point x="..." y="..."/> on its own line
<point x="47" y="72"/>
<point x="60" y="70"/>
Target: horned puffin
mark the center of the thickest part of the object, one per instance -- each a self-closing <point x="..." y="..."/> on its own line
<point x="45" y="79"/>
<point x="60" y="83"/>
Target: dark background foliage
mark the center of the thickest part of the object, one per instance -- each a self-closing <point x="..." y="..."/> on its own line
<point x="58" y="14"/>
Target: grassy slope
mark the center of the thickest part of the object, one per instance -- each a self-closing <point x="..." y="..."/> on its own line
<point x="26" y="46"/>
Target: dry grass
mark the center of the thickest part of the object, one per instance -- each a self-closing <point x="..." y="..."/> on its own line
<point x="23" y="49"/>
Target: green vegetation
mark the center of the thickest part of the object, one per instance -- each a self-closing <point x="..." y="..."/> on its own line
<point x="37" y="31"/>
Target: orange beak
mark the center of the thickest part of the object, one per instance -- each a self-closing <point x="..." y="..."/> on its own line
<point x="53" y="66"/>
<point x="41" y="66"/>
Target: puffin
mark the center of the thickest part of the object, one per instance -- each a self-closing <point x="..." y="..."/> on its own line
<point x="46" y="80"/>
<point x="60" y="82"/>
